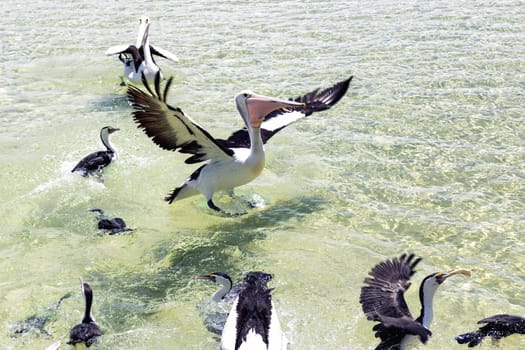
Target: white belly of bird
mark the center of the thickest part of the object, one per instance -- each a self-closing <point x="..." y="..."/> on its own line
<point x="225" y="176"/>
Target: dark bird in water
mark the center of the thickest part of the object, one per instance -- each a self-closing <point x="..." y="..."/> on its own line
<point x="138" y="59"/>
<point x="88" y="331"/>
<point x="37" y="322"/>
<point x="94" y="163"/>
<point x="496" y="327"/>
<point x="237" y="160"/>
<point x="113" y="225"/>
<point x="223" y="297"/>
<point x="253" y="322"/>
<point x="382" y="299"/>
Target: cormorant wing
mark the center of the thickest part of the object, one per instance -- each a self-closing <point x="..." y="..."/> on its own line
<point x="497" y="327"/>
<point x="170" y="128"/>
<point x="163" y="53"/>
<point x="315" y="101"/>
<point x="383" y="301"/>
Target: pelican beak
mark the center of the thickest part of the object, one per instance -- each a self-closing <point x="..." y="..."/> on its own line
<point x="143" y="31"/>
<point x="458" y="271"/>
<point x="260" y="106"/>
<point x="112" y="130"/>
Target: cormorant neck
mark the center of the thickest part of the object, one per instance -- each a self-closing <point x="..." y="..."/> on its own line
<point x="426" y="297"/>
<point x="226" y="286"/>
<point x="88" y="317"/>
<point x="104" y="137"/>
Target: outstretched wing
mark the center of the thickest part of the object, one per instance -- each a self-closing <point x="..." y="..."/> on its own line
<point x="496" y="327"/>
<point x="315" y="101"/>
<point x="163" y="53"/>
<point x="170" y="128"/>
<point x="383" y="301"/>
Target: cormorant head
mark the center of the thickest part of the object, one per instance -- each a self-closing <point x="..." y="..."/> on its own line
<point x="433" y="281"/>
<point x="217" y="277"/>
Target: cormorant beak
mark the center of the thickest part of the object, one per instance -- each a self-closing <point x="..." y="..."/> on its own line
<point x="459" y="271"/>
<point x="143" y="31"/>
<point x="210" y="277"/>
<point x="260" y="106"/>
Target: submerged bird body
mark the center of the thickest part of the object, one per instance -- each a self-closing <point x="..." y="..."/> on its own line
<point x="253" y="322"/>
<point x="235" y="161"/>
<point x="223" y="298"/>
<point x="382" y="300"/>
<point x="496" y="327"/>
<point x="94" y="163"/>
<point x="88" y="331"/>
<point x="138" y="59"/>
<point x="113" y="225"/>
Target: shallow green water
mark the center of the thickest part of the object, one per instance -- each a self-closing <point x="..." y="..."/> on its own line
<point x="425" y="154"/>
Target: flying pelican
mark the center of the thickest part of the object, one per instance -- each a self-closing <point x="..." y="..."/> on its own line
<point x="94" y="163"/>
<point x="138" y="58"/>
<point x="497" y="327"/>
<point x="382" y="300"/>
<point x="253" y="323"/>
<point x="224" y="297"/>
<point x="232" y="162"/>
<point x="88" y="331"/>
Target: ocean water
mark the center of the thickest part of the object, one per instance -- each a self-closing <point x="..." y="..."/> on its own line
<point x="425" y="154"/>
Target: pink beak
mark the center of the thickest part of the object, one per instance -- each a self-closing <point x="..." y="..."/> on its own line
<point x="260" y="106"/>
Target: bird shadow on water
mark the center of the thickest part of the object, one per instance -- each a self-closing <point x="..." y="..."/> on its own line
<point x="177" y="261"/>
<point x="116" y="101"/>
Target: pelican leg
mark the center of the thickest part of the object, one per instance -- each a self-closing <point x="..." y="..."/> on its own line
<point x="212" y="205"/>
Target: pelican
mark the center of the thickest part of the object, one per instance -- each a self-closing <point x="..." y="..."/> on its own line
<point x="235" y="161"/>
<point x="94" y="163"/>
<point x="88" y="331"/>
<point x="496" y="327"/>
<point x="382" y="299"/>
<point x="138" y="58"/>
<point x="224" y="298"/>
<point x="253" y="323"/>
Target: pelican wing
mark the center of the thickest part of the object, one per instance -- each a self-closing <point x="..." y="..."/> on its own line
<point x="113" y="50"/>
<point x="316" y="101"/>
<point x="170" y="128"/>
<point x="163" y="53"/>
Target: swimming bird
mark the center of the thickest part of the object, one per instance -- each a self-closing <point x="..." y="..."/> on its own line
<point x="138" y="59"/>
<point x="235" y="161"/>
<point x="37" y="322"/>
<point x="253" y="323"/>
<point x="94" y="163"/>
<point x="382" y="299"/>
<point x="114" y="225"/>
<point x="228" y="292"/>
<point x="496" y="327"/>
<point x="88" y="331"/>
<point x="223" y="297"/>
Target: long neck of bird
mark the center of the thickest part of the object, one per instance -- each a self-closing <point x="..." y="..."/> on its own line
<point x="256" y="143"/>
<point x="226" y="286"/>
<point x="88" y="317"/>
<point x="427" y="307"/>
<point x="104" y="137"/>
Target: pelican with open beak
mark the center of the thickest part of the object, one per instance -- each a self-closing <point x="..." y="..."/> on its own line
<point x="138" y="59"/>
